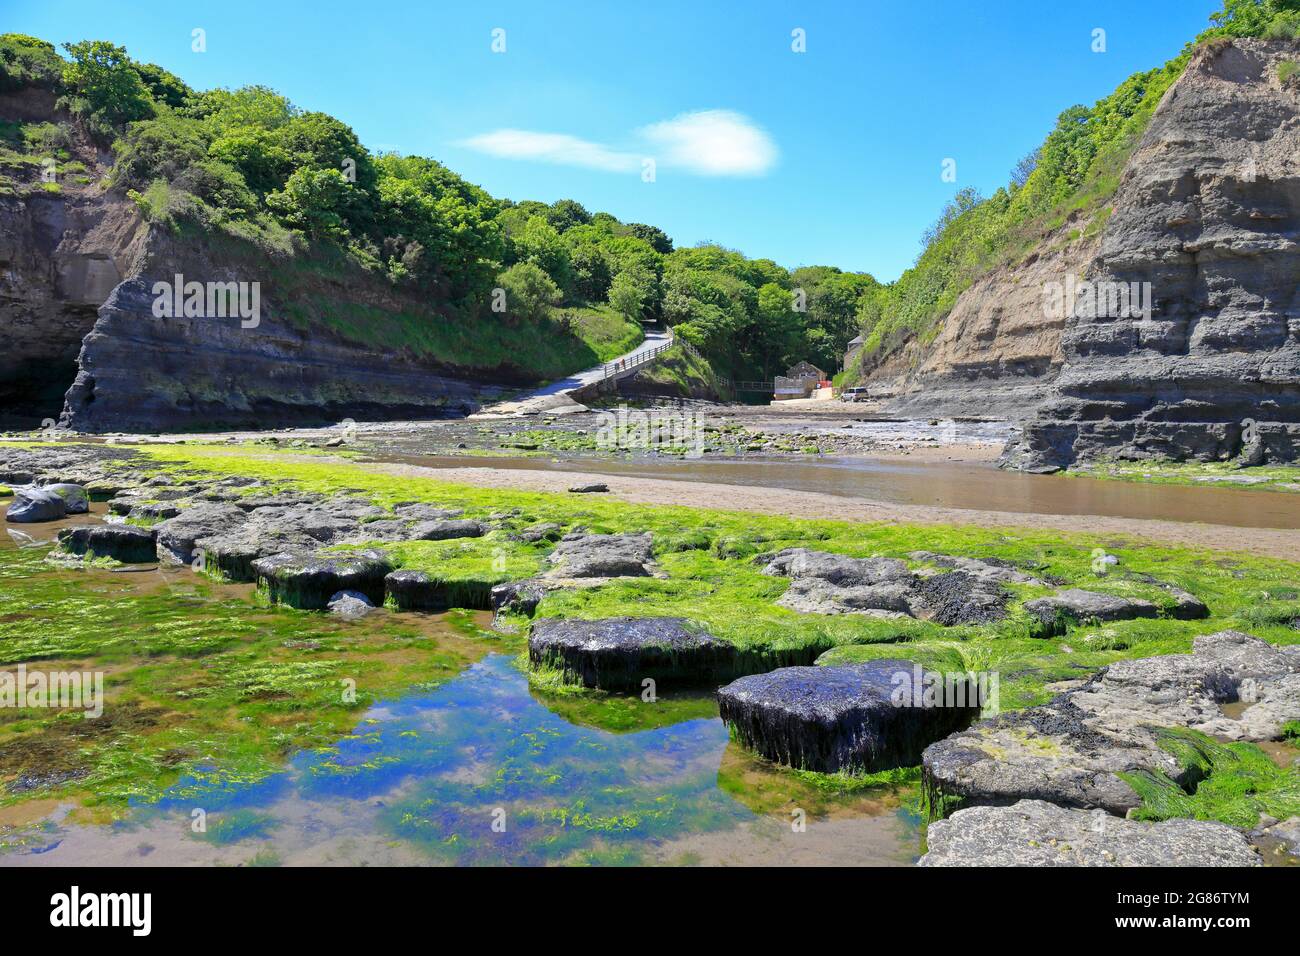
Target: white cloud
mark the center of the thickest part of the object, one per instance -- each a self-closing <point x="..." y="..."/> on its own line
<point x="552" y="148"/>
<point x="714" y="143"/>
<point x="706" y="142"/>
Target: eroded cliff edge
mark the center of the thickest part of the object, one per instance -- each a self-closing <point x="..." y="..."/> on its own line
<point x="319" y="349"/>
<point x="1207" y="213"/>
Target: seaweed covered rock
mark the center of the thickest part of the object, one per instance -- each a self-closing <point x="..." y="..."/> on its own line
<point x="1080" y="749"/>
<point x="308" y="581"/>
<point x="619" y="653"/>
<point x="826" y="583"/>
<point x="517" y="597"/>
<point x="582" y="555"/>
<point x="1036" y="833"/>
<point x="32" y="505"/>
<point x="443" y="529"/>
<point x="1075" y="606"/>
<point x="121" y="542"/>
<point x="858" y="717"/>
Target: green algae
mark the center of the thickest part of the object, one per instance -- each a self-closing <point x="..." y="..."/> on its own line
<point x="200" y="680"/>
<point x="1235" y="783"/>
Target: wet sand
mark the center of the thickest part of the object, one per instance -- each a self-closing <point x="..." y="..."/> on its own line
<point x="1268" y="542"/>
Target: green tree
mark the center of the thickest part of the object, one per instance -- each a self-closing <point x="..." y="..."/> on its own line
<point x="564" y="214"/>
<point x="626" y="297"/>
<point x="529" y="291"/>
<point x="104" y="83"/>
<point x="315" y="202"/>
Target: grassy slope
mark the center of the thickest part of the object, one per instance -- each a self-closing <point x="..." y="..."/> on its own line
<point x="680" y="372"/>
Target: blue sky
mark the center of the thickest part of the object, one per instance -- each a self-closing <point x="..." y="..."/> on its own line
<point x="832" y="156"/>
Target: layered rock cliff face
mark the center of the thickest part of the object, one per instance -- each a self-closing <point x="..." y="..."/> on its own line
<point x="998" y="352"/>
<point x="62" y="252"/>
<point x="140" y="371"/>
<point x="1207" y="213"/>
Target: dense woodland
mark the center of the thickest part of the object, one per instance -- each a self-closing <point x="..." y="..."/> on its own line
<point x="249" y="162"/>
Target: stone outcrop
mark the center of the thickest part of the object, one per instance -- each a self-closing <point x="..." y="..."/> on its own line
<point x="1207" y="213"/>
<point x="1075" y="750"/>
<point x="121" y="542"/>
<point x="825" y="583"/>
<point x="1035" y="833"/>
<point x="310" y="581"/>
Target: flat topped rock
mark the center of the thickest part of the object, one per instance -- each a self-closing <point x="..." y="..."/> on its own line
<point x="309" y="580"/>
<point x="581" y="555"/>
<point x="859" y="717"/>
<point x="621" y="652"/>
<point x="122" y="542"/>
<point x="988" y="568"/>
<point x="414" y="590"/>
<point x="1035" y="833"/>
<point x="178" y="537"/>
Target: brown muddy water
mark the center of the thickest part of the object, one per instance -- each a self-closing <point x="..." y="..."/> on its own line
<point x="965" y="485"/>
<point x="426" y="776"/>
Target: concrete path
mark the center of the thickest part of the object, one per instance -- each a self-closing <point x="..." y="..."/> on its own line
<point x="553" y="397"/>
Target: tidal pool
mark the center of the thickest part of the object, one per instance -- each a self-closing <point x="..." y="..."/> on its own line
<point x="482" y="771"/>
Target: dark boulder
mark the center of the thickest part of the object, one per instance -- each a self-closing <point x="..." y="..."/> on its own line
<point x="32" y="505"/>
<point x="619" y="653"/>
<point x="121" y="542"/>
<point x="859" y="718"/>
<point x="308" y="581"/>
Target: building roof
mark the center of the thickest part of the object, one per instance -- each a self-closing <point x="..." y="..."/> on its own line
<point x="857" y="341"/>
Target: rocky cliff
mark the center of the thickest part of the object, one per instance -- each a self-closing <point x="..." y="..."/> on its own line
<point x="998" y="352"/>
<point x="64" y="245"/>
<point x="1204" y="231"/>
